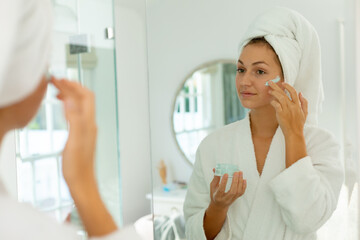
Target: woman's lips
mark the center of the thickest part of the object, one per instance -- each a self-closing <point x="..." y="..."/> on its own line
<point x="247" y="94"/>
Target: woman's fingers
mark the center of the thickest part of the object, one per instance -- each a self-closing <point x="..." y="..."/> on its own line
<point x="280" y="98"/>
<point x="240" y="184"/>
<point x="290" y="110"/>
<point x="76" y="98"/>
<point x="234" y="185"/>
<point x="223" y="182"/>
<point x="60" y="96"/>
<point x="67" y="88"/>
<point x="276" y="105"/>
<point x="293" y="93"/>
<point x="237" y="186"/>
<point x="304" y="104"/>
<point x="73" y="94"/>
<point x="68" y="91"/>
<point x="218" y="188"/>
<point x="61" y="85"/>
<point x="215" y="182"/>
<point x="57" y="83"/>
<point x="275" y="88"/>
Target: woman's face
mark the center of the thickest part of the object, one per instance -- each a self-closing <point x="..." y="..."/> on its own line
<point x="257" y="64"/>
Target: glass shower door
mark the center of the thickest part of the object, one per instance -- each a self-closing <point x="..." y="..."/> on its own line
<point x="84" y="51"/>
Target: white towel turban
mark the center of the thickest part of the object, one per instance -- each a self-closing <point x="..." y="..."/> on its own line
<point x="25" y="32"/>
<point x="296" y="43"/>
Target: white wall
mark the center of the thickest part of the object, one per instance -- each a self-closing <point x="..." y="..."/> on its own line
<point x="185" y="34"/>
<point x="133" y="108"/>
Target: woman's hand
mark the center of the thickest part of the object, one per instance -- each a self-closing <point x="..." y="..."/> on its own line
<point x="215" y="214"/>
<point x="222" y="199"/>
<point x="79" y="152"/>
<point x="79" y="156"/>
<point x="290" y="113"/>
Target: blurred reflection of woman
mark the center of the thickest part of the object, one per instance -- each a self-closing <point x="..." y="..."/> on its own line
<point x="25" y="46"/>
<point x="292" y="167"/>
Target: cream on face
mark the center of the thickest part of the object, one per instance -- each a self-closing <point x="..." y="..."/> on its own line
<point x="275" y="80"/>
<point x="256" y="66"/>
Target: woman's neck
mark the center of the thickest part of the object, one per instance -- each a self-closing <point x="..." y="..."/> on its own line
<point x="263" y="122"/>
<point x="5" y="124"/>
<point x="2" y="134"/>
<point x="3" y="128"/>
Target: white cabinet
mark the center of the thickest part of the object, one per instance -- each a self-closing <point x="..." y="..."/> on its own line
<point x="167" y="203"/>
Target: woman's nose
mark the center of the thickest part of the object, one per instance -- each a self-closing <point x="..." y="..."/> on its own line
<point x="244" y="80"/>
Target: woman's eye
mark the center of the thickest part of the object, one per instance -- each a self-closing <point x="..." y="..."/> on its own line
<point x="240" y="70"/>
<point x="260" y="72"/>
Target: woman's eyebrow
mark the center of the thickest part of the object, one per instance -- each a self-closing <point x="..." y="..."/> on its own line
<point x="260" y="62"/>
<point x="255" y="63"/>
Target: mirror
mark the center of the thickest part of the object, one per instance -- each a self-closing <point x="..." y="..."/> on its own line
<point x="183" y="48"/>
<point x="207" y="100"/>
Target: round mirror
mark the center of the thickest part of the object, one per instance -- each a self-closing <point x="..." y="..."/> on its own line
<point x="206" y="101"/>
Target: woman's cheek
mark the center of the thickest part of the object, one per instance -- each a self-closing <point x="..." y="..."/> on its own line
<point x="263" y="89"/>
<point x="267" y="95"/>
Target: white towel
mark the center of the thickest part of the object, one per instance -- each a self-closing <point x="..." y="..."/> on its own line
<point x="25" y="31"/>
<point x="296" y="43"/>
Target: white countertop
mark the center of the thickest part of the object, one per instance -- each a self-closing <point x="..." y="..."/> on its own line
<point x="177" y="195"/>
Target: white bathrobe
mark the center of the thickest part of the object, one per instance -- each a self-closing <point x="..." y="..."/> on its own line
<point x="20" y="221"/>
<point x="281" y="204"/>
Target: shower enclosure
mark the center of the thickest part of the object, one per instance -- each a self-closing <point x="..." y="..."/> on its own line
<point x="84" y="51"/>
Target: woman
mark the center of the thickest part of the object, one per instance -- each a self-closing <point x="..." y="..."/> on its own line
<point x="291" y="172"/>
<point x="25" y="46"/>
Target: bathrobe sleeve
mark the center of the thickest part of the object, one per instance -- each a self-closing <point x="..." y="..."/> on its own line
<point x="308" y="191"/>
<point x="197" y="201"/>
<point x="19" y="221"/>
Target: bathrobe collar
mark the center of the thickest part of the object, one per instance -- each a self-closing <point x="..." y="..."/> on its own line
<point x="275" y="159"/>
<point x="258" y="189"/>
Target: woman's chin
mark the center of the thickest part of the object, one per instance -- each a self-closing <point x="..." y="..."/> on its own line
<point x="254" y="106"/>
<point x="247" y="104"/>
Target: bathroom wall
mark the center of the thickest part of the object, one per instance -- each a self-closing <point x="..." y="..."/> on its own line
<point x="185" y="34"/>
